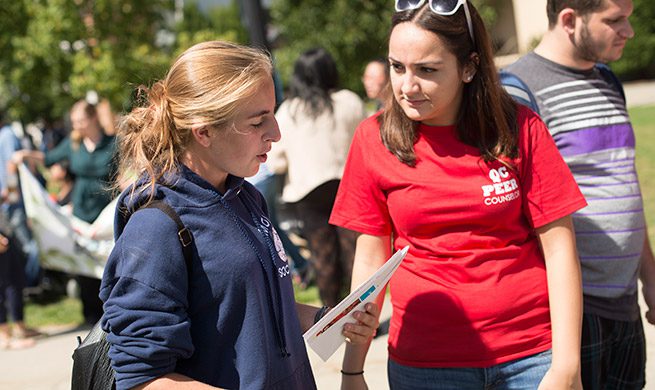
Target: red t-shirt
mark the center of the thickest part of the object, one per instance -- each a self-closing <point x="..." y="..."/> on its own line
<point x="472" y="290"/>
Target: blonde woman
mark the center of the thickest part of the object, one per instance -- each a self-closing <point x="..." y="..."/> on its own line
<point x="228" y="319"/>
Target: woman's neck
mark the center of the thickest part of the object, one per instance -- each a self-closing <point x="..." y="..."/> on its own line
<point x="203" y="169"/>
<point x="92" y="140"/>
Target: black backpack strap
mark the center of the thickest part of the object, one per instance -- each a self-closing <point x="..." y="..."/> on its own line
<point x="183" y="234"/>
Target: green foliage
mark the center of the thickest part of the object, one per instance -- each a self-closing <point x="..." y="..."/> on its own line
<point x="353" y="31"/>
<point x="219" y="23"/>
<point x="638" y="61"/>
<point x="52" y="52"/>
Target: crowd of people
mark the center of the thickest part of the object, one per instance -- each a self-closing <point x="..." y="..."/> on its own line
<point x="81" y="169"/>
<point x="522" y="270"/>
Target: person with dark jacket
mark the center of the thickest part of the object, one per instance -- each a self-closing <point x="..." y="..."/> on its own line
<point x="227" y="319"/>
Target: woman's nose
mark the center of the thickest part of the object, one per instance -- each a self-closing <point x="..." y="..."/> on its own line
<point x="273" y="134"/>
<point x="409" y="84"/>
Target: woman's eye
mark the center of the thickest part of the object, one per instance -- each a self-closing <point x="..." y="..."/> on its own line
<point x="428" y="70"/>
<point x="397" y="67"/>
<point x="258" y="124"/>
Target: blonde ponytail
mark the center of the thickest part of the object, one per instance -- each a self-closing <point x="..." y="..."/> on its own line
<point x="204" y="87"/>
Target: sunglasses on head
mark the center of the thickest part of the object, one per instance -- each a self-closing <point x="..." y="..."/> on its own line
<point x="439" y="7"/>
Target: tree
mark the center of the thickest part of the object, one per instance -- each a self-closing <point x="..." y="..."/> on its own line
<point x="52" y="52"/>
<point x="638" y="60"/>
<point x="353" y="31"/>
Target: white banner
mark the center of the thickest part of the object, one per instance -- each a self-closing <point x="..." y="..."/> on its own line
<point x="65" y="242"/>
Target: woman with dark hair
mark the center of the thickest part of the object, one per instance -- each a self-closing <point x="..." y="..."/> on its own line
<point x="489" y="295"/>
<point x="317" y="122"/>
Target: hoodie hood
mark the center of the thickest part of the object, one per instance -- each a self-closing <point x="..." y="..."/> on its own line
<point x="140" y="193"/>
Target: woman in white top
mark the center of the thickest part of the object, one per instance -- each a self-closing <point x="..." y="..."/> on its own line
<point x="317" y="123"/>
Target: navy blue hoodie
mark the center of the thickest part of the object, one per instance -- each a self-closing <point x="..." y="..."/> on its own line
<point x="236" y="326"/>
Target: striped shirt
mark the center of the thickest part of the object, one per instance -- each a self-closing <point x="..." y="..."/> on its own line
<point x="587" y="116"/>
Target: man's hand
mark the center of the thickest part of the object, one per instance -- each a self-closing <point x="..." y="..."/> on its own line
<point x="649" y="298"/>
<point x="4" y="244"/>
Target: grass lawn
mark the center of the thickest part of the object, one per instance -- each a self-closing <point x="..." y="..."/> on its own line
<point x="68" y="311"/>
<point x="643" y="119"/>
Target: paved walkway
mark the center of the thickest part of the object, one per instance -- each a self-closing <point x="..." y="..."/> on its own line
<point x="47" y="366"/>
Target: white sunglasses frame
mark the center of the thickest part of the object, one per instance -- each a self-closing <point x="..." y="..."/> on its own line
<point x="469" y="22"/>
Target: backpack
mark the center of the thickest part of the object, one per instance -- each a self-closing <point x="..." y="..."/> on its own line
<point x="518" y="89"/>
<point x="522" y="94"/>
<point x="91" y="364"/>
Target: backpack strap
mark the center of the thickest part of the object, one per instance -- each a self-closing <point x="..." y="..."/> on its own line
<point x="183" y="234"/>
<point x="609" y="75"/>
<point x="518" y="89"/>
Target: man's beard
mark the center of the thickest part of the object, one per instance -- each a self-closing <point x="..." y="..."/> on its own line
<point x="587" y="49"/>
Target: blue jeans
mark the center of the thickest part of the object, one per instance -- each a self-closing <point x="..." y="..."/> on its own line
<point x="15" y="213"/>
<point x="525" y="373"/>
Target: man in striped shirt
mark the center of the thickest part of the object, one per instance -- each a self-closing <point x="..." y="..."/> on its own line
<point x="583" y="105"/>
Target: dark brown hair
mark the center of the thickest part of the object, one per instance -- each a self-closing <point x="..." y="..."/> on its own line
<point x="487" y="114"/>
<point x="582" y="7"/>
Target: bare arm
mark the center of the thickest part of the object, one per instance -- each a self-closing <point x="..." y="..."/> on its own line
<point x="370" y="255"/>
<point x="565" y="296"/>
<point x="29" y="156"/>
<point x="647" y="276"/>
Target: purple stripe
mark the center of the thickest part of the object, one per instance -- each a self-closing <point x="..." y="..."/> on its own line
<point x="613" y="198"/>
<point x="573" y="143"/>
<point x="609" y="213"/>
<point x="607" y="170"/>
<point x="624" y="257"/>
<point x="609" y="231"/>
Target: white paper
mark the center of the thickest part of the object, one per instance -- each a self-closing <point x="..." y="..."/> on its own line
<point x="325" y="336"/>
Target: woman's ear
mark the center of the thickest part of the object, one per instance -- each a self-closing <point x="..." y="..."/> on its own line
<point x="202" y="135"/>
<point x="471" y="68"/>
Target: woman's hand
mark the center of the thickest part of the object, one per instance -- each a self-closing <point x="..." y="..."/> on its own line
<point x="364" y="329"/>
<point x="555" y="379"/>
<point x="18" y="157"/>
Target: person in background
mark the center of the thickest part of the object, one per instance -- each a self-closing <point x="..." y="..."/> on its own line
<point x="582" y="103"/>
<point x="228" y="318"/>
<point x="317" y="122"/>
<point x="63" y="180"/>
<point x="52" y="133"/>
<point x="90" y="155"/>
<point x="12" y="281"/>
<point x="12" y="254"/>
<point x="489" y="294"/>
<point x="375" y="80"/>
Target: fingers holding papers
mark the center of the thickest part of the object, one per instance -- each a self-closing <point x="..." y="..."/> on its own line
<point x="364" y="329"/>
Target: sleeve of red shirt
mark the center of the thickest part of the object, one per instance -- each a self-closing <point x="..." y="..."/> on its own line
<point x="549" y="189"/>
<point x="361" y="203"/>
